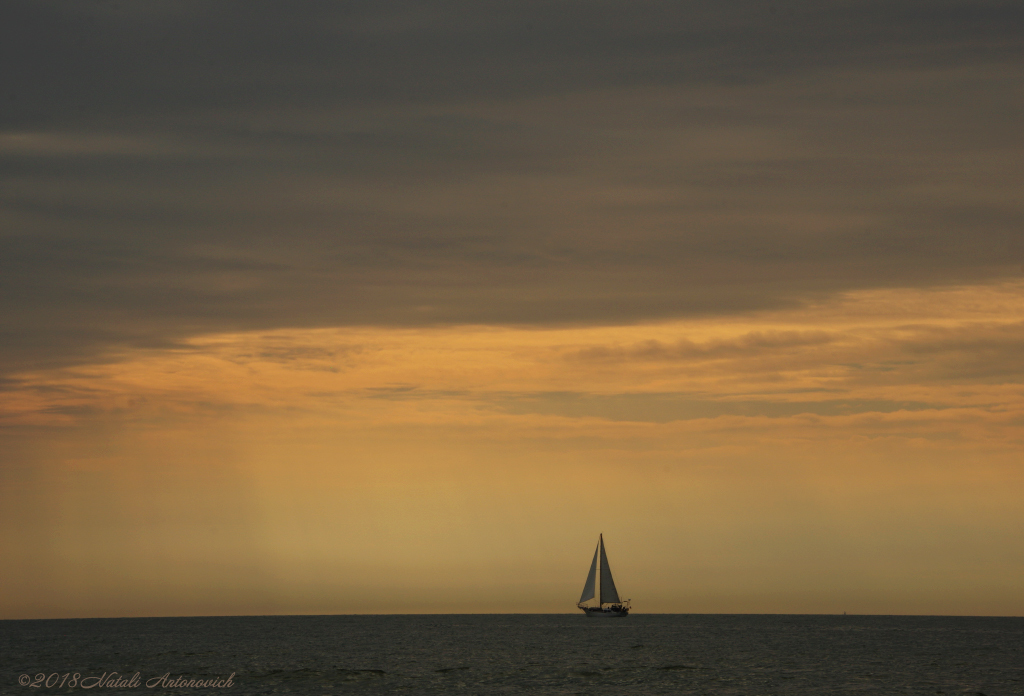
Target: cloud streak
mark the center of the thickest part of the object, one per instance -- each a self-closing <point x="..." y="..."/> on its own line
<point x="858" y="369"/>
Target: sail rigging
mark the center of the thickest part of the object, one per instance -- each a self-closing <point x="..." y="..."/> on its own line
<point x="599" y="568"/>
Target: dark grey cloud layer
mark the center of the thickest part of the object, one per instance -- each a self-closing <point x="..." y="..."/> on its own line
<point x="107" y="57"/>
<point x="170" y="168"/>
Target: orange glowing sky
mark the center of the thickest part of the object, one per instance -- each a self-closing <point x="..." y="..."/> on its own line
<point x="860" y="454"/>
<point x="383" y="309"/>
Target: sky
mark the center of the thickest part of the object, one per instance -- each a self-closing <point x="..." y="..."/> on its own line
<point x="393" y="307"/>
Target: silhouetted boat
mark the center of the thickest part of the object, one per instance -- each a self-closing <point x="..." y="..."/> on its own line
<point x="608" y="594"/>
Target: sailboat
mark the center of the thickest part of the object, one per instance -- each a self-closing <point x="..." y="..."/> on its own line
<point x="609" y="596"/>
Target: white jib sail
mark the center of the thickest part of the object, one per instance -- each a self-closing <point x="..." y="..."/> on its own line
<point x="588" y="589"/>
<point x="608" y="593"/>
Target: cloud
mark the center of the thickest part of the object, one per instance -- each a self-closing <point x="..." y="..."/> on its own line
<point x="751" y="344"/>
<point x="101" y="60"/>
<point x="861" y="373"/>
<point x="188" y="168"/>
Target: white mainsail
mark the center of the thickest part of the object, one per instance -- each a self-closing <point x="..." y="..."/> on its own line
<point x="608" y="593"/>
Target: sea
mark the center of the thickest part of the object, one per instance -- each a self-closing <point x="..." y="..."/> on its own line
<point x="516" y="654"/>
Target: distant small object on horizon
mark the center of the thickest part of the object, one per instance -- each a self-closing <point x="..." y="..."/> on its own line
<point x="608" y="594"/>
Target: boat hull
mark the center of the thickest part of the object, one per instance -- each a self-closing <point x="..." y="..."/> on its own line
<point x="605" y="613"/>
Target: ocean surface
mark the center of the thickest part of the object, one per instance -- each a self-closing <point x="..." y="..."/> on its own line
<point x="521" y="654"/>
